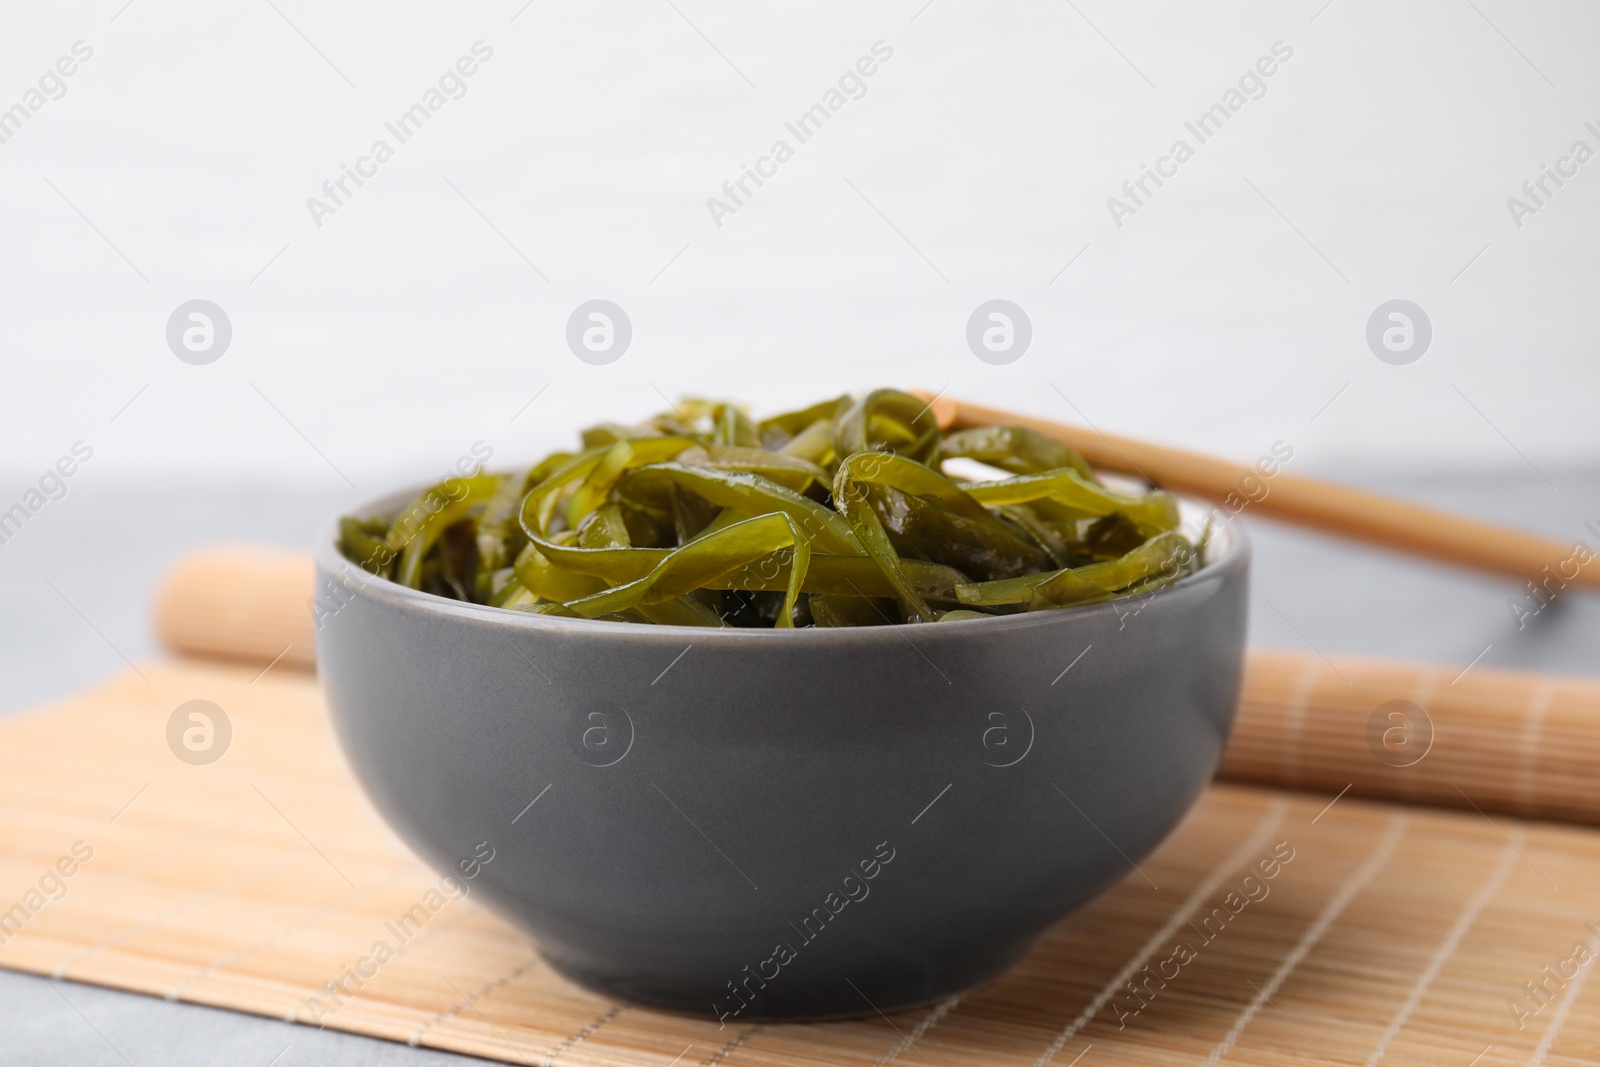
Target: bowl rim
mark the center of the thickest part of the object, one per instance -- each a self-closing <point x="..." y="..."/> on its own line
<point x="1232" y="563"/>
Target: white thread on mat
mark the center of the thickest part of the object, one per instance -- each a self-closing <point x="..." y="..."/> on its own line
<point x="581" y="1035"/>
<point x="738" y="1042"/>
<point x="1294" y="719"/>
<point x="435" y="930"/>
<point x="1528" y="744"/>
<point x="1308" y="940"/>
<point x="306" y="919"/>
<point x="468" y="1001"/>
<point x="929" y="1021"/>
<point x="1270" y="819"/>
<point x="198" y="900"/>
<point x="1411" y="775"/>
<point x="1559" y="1019"/>
<point x="1452" y="941"/>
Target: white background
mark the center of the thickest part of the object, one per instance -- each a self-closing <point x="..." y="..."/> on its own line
<point x="1225" y="315"/>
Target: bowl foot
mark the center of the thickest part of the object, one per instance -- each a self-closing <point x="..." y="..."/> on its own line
<point x="837" y="993"/>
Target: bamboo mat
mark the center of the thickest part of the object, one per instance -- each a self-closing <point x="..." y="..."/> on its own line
<point x="1510" y="741"/>
<point x="1393" y="934"/>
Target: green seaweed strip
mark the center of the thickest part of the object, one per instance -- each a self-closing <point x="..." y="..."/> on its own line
<point x="690" y="567"/>
<point x="1014" y="449"/>
<point x="1072" y="490"/>
<point x="751" y="494"/>
<point x="1166" y="552"/>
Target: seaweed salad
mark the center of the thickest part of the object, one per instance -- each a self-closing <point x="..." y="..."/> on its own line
<point x="837" y="514"/>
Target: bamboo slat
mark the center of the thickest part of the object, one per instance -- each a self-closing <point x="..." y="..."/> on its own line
<point x="1502" y="741"/>
<point x="1393" y="935"/>
<point x="240" y="602"/>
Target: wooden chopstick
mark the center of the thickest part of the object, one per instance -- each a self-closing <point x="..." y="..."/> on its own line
<point x="1336" y="509"/>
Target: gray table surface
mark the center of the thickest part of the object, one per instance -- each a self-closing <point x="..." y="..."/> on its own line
<point x="77" y="582"/>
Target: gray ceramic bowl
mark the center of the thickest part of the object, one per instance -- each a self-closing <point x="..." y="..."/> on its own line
<point x="759" y="824"/>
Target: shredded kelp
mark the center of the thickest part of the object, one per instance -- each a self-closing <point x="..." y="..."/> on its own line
<point x="838" y="514"/>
